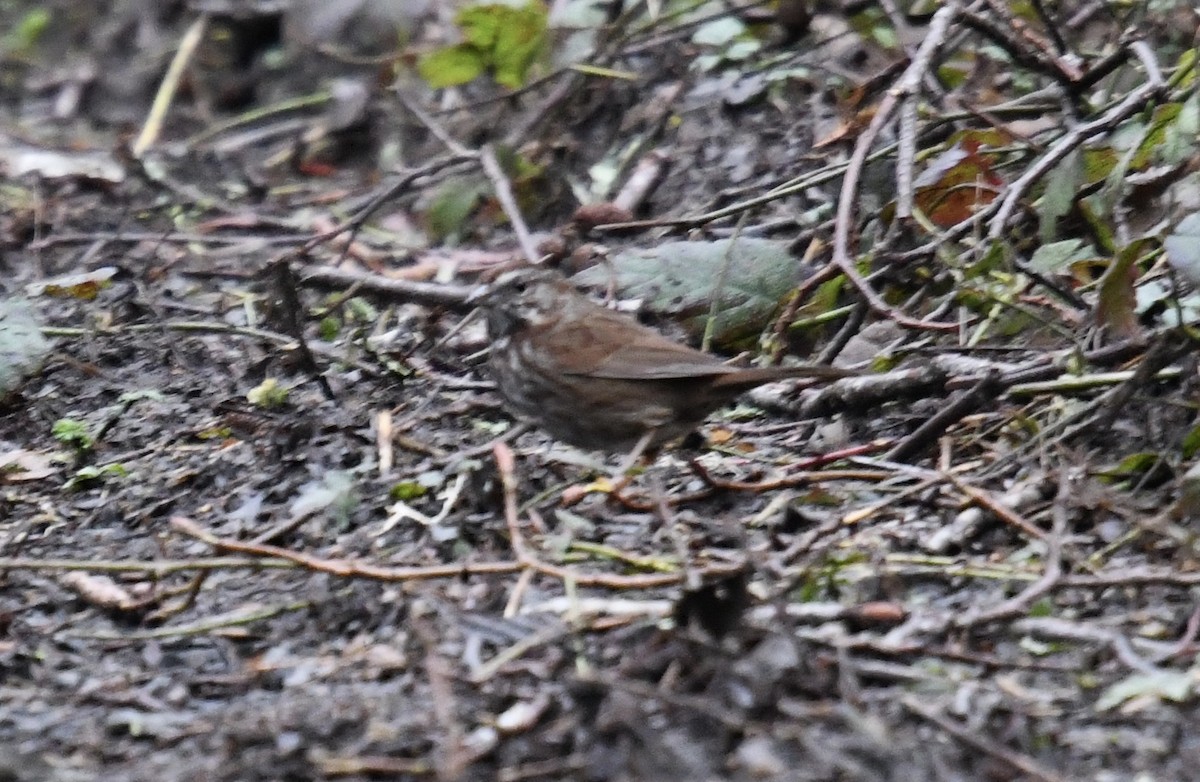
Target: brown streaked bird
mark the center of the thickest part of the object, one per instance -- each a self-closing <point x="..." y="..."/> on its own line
<point x="598" y="379"/>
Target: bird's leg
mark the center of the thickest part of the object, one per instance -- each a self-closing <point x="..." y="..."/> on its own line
<point x="624" y="473"/>
<point x="622" y="476"/>
<point x="619" y="480"/>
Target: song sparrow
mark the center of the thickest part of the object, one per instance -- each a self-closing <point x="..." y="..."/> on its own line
<point x="598" y="379"/>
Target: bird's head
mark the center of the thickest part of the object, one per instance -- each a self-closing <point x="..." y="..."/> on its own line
<point x="526" y="297"/>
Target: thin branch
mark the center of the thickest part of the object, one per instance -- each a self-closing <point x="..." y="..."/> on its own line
<point x="343" y="567"/>
<point x="849" y="193"/>
<point x="506" y="466"/>
<point x="1022" y="763"/>
<point x="508" y="203"/>
<point x="1075" y="137"/>
<point x="1019" y="604"/>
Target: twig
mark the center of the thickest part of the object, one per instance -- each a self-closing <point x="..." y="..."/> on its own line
<point x="505" y="465"/>
<point x="1183" y="646"/>
<point x="542" y="112"/>
<point x="491" y="167"/>
<point x="292" y="315"/>
<point x="792" y="187"/>
<point x="849" y="329"/>
<point x="1070" y="141"/>
<point x="646" y="175"/>
<point x="170" y="83"/>
<point x="1097" y="412"/>
<point x="174" y="237"/>
<point x="849" y="191"/>
<point x="1156" y="358"/>
<point x="385" y="194"/>
<point x="1004" y="513"/>
<point x="234" y="618"/>
<point x="1022" y="763"/>
<point x="907" y="151"/>
<point x="1034" y="56"/>
<point x="209" y="327"/>
<point x="434" y="127"/>
<point x="963" y="404"/>
<point x="156" y="568"/>
<point x="795" y="300"/>
<point x="189" y="594"/>
<point x="503" y="189"/>
<point x="1066" y="630"/>
<point x="1019" y="604"/>
<point x="427" y="293"/>
<point x="342" y="567"/>
<point x="1060" y="44"/>
<point x="518" y="649"/>
<point x="451" y="754"/>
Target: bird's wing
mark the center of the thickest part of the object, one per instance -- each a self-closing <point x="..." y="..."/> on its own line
<point x="608" y="345"/>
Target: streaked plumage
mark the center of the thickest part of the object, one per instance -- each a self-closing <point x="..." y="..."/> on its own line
<point x="598" y="379"/>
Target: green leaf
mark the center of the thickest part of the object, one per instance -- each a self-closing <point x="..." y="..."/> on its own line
<point x="1180" y="141"/>
<point x="1165" y="118"/>
<point x="451" y="66"/>
<point x="481" y="24"/>
<point x="1160" y="685"/>
<point x="1184" y="70"/>
<point x="680" y="279"/>
<point x="518" y="43"/>
<point x="359" y="310"/>
<point x="72" y="432"/>
<point x="1042" y="608"/>
<point x="328" y="328"/>
<point x="505" y="38"/>
<point x="1056" y="257"/>
<point x="1190" y="445"/>
<point x="1098" y="217"/>
<point x="86" y="476"/>
<point x="885" y="37"/>
<point x="1148" y="467"/>
<point x="407" y="490"/>
<point x="453" y="203"/>
<point x="1062" y="186"/>
<point x="268" y="394"/>
<point x="26" y="33"/>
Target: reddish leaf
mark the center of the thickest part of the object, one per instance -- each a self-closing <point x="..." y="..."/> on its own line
<point x="957" y="183"/>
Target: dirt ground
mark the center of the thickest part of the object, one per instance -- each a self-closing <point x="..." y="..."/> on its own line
<point x="252" y="523"/>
